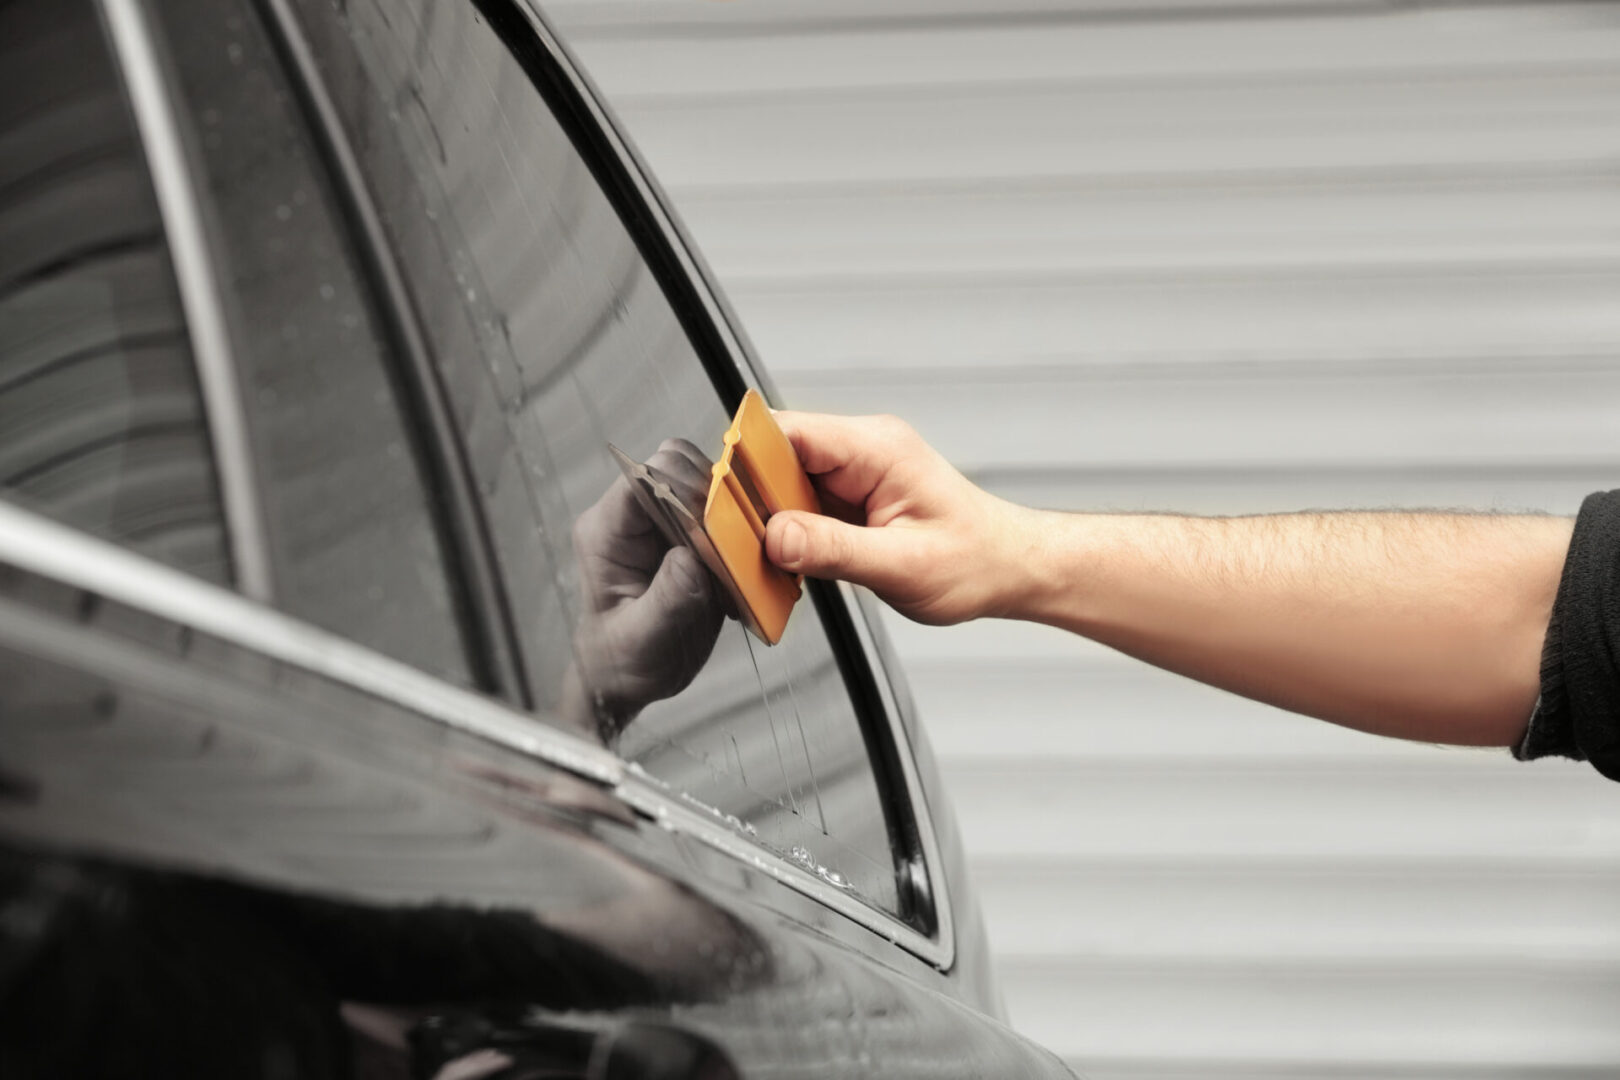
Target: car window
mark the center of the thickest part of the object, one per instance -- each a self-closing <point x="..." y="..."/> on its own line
<point x="101" y="417"/>
<point x="558" y="345"/>
<point x="352" y="529"/>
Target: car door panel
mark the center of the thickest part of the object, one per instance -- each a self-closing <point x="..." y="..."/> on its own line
<point x="235" y="843"/>
<point x="336" y="847"/>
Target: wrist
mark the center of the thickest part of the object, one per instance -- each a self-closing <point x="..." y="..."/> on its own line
<point x="1061" y="567"/>
<point x="1028" y="560"/>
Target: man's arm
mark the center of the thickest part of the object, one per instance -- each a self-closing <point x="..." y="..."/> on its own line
<point x="1419" y="625"/>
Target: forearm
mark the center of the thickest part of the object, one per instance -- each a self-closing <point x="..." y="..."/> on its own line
<point x="1418" y="625"/>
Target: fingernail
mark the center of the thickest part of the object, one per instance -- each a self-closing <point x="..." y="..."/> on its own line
<point x="793" y="539"/>
<point x="690" y="572"/>
<point x="697" y="582"/>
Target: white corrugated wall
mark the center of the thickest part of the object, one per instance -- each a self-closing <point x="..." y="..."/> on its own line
<point x="1213" y="257"/>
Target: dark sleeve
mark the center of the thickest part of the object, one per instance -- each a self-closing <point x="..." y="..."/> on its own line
<point x="1578" y="713"/>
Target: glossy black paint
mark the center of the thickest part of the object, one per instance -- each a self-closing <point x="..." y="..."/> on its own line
<point x="215" y="862"/>
<point x="231" y="865"/>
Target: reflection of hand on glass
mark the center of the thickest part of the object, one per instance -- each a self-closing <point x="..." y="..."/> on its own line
<point x="651" y="610"/>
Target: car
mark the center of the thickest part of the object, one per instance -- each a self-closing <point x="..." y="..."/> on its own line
<point x="355" y="718"/>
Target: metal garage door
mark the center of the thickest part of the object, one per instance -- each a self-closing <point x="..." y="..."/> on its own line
<point x="1214" y="257"/>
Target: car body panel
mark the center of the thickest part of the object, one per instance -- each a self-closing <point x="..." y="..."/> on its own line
<point x="234" y="843"/>
<point x="348" y="851"/>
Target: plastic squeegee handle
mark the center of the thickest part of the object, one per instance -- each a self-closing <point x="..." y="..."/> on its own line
<point x="758" y="475"/>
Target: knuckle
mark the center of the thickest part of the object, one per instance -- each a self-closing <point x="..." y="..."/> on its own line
<point x="675" y="446"/>
<point x="894" y="429"/>
<point x="584" y="526"/>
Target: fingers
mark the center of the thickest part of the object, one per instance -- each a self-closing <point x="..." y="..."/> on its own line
<point x="687" y="450"/>
<point x="613" y="518"/>
<point x="664" y="636"/>
<point x="680" y="584"/>
<point x="826" y="442"/>
<point x="825" y="547"/>
<point x="618" y="516"/>
<point x="850" y="454"/>
<point x="686" y="468"/>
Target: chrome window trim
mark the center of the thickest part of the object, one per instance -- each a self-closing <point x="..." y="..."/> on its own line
<point x="41" y="546"/>
<point x="198" y="281"/>
<point x="653" y="799"/>
<point x="939" y="950"/>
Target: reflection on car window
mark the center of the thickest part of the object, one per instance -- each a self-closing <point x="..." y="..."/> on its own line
<point x="101" y="418"/>
<point x="350" y="526"/>
<point x="557" y="344"/>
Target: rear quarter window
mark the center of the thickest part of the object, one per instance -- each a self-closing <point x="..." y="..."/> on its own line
<point x="556" y="341"/>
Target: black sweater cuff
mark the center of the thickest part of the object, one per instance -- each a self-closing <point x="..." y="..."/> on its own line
<point x="1578" y="713"/>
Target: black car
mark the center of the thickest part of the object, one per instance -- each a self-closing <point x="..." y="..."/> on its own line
<point x="355" y="720"/>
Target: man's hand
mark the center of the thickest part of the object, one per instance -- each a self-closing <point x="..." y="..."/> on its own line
<point x="1418" y="625"/>
<point x="905" y="523"/>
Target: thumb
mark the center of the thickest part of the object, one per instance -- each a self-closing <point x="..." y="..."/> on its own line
<point x="824" y="547"/>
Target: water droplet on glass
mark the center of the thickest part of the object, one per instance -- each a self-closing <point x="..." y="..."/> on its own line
<point x="833" y="878"/>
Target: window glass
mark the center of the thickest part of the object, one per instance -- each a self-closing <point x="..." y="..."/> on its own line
<point x="353" y="532"/>
<point x="101" y="418"/>
<point x="558" y="343"/>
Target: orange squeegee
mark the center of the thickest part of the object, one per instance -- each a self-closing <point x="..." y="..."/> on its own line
<point x="758" y="474"/>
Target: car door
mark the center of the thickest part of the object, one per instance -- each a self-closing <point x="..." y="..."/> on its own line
<point x="321" y="752"/>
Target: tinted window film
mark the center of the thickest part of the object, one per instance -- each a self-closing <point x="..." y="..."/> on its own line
<point x="101" y="418"/>
<point x="557" y="343"/>
<point x="352" y="533"/>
